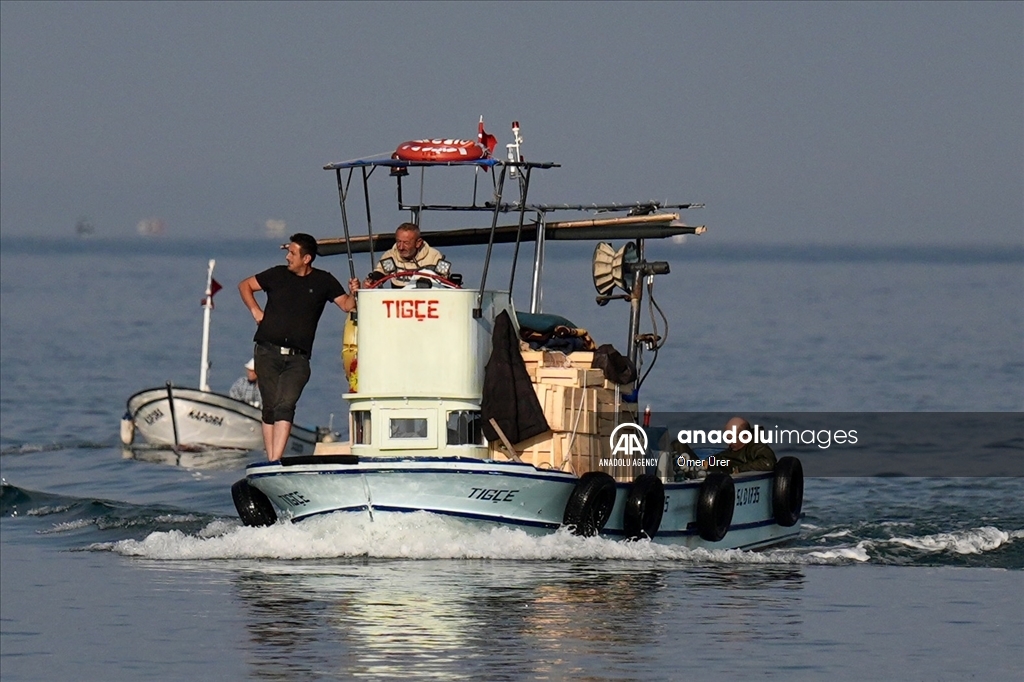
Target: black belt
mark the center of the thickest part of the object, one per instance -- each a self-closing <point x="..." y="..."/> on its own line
<point x="281" y="350"/>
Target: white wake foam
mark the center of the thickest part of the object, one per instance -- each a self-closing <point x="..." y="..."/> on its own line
<point x="975" y="541"/>
<point x="420" y="536"/>
<point x="67" y="526"/>
<point x="425" y="536"/>
<point x="856" y="553"/>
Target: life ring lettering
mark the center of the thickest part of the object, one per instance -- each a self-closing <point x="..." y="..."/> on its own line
<point x="448" y="149"/>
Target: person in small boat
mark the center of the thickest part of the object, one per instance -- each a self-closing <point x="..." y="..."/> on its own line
<point x="296" y="296"/>
<point x="410" y="252"/>
<point x="749" y="456"/>
<point x="246" y="388"/>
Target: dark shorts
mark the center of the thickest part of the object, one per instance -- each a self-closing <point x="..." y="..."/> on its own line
<point x="281" y="379"/>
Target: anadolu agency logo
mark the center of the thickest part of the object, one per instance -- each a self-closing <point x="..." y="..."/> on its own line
<point x="629" y="447"/>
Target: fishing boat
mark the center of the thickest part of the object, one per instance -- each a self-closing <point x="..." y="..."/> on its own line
<point x="489" y="429"/>
<point x="186" y="418"/>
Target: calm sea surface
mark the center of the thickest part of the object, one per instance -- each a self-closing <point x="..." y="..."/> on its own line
<point x="131" y="565"/>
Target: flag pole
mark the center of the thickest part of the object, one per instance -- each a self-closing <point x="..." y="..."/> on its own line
<point x="204" y="362"/>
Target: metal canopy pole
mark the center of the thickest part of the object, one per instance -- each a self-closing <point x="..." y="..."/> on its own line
<point x="477" y="311"/>
<point x="524" y="189"/>
<point x="342" y="192"/>
<point x="635" y="297"/>
<point x="536" y="292"/>
<point x="369" y="220"/>
<point x="419" y="208"/>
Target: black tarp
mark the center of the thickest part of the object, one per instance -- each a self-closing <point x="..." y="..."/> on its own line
<point x="508" y="395"/>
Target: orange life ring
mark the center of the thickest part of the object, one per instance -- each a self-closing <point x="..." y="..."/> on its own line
<point x="448" y="149"/>
<point x="440" y="150"/>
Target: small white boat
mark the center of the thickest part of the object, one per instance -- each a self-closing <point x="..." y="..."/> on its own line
<point x="426" y="436"/>
<point x="182" y="418"/>
<point x="177" y="416"/>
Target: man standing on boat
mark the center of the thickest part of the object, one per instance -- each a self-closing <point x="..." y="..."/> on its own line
<point x="296" y="296"/>
<point x="410" y="252"/>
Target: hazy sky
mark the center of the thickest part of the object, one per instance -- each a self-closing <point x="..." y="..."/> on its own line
<point x="819" y="122"/>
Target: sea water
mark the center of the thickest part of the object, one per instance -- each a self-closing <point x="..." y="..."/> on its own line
<point x="130" y="564"/>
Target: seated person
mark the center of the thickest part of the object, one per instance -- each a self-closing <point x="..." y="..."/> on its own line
<point x="410" y="252"/>
<point x="744" y="457"/>
<point x="246" y="388"/>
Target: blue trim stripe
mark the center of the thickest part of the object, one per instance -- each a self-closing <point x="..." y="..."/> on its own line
<point x="499" y="520"/>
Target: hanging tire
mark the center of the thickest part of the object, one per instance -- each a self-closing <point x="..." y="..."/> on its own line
<point x="254" y="508"/>
<point x="788" y="491"/>
<point x="590" y="504"/>
<point x="645" y="505"/>
<point x="715" y="504"/>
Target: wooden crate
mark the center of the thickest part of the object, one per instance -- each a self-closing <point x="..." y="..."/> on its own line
<point x="570" y="376"/>
<point x="538" y="359"/>
<point x="557" y="450"/>
<point x="583" y="359"/>
<point x="568" y="408"/>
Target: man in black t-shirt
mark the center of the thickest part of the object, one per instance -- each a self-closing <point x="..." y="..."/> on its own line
<point x="296" y="296"/>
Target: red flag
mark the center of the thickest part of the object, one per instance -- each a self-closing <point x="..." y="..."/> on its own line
<point x="485" y="139"/>
<point x="214" y="288"/>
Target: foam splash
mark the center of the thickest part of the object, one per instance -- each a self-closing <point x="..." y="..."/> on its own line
<point x="418" y="536"/>
<point x="838" y="534"/>
<point x="176" y="518"/>
<point x="424" y="536"/>
<point x="975" y="541"/>
<point x="67" y="526"/>
<point x="858" y="553"/>
<point x="48" y="510"/>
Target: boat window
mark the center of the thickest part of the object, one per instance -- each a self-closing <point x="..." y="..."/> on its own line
<point x="361" y="427"/>
<point x="407" y="428"/>
<point x="465" y="428"/>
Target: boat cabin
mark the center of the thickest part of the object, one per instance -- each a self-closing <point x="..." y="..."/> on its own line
<point x="421" y="359"/>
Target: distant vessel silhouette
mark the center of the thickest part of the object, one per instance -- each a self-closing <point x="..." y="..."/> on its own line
<point x="275" y="228"/>
<point x="84" y="227"/>
<point x="151" y="227"/>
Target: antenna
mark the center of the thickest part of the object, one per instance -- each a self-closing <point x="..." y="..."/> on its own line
<point x="513" y="152"/>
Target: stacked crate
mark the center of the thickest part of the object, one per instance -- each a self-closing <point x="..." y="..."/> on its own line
<point x="580" y="407"/>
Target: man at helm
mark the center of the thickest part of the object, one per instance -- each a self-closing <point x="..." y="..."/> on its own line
<point x="410" y="252"/>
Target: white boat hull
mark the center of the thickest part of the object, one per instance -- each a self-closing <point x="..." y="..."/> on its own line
<point x="204" y="418"/>
<point x="493" y="493"/>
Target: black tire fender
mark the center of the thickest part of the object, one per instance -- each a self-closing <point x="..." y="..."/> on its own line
<point x="645" y="505"/>
<point x="254" y="508"/>
<point x="788" y="491"/>
<point x="716" y="502"/>
<point x="590" y="504"/>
